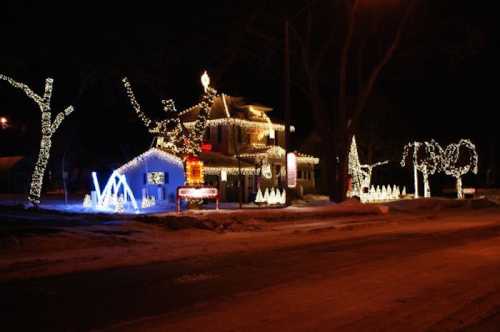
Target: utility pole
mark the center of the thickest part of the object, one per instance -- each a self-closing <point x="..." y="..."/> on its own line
<point x="287" y="103"/>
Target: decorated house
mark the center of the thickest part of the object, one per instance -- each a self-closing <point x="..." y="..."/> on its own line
<point x="155" y="174"/>
<point x="241" y="137"/>
<point x="223" y="139"/>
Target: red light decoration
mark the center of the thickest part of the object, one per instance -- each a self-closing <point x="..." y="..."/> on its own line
<point x="206" y="147"/>
<point x="195" y="174"/>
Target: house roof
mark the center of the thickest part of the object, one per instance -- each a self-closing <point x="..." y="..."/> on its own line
<point x="229" y="107"/>
<point x="136" y="162"/>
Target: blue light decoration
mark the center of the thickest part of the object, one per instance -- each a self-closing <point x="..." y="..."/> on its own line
<point x="116" y="192"/>
<point x="148" y="181"/>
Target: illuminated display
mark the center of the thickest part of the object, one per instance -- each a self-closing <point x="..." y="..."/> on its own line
<point x="292" y="170"/>
<point x="194" y="171"/>
<point x="197" y="193"/>
<point x="156" y="178"/>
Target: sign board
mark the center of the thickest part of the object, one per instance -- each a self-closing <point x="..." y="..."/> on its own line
<point x="197" y="193"/>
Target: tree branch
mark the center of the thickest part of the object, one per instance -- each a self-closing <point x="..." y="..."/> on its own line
<point x="26" y="89"/>
<point x="366" y="91"/>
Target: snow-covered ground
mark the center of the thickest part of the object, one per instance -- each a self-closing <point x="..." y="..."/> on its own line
<point x="38" y="243"/>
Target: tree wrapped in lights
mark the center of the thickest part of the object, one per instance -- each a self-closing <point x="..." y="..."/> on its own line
<point x="171" y="133"/>
<point x="460" y="159"/>
<point x="48" y="129"/>
<point x="426" y="158"/>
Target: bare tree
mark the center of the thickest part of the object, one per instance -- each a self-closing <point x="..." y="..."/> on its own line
<point x="338" y="65"/>
<point x="48" y="129"/>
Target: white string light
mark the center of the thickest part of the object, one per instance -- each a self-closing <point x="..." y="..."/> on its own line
<point x="361" y="174"/>
<point x="426" y="158"/>
<point x="48" y="129"/>
<point x="460" y="159"/>
<point x="137" y="162"/>
<point x="239" y="122"/>
<point x="231" y="170"/>
<point x="171" y="136"/>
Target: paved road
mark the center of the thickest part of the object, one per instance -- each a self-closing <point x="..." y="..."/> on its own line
<point x="442" y="281"/>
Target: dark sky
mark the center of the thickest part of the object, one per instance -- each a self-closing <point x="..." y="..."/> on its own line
<point x="438" y="85"/>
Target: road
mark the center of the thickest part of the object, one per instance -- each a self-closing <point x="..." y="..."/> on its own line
<point x="418" y="278"/>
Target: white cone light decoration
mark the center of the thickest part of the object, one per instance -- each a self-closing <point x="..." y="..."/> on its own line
<point x="260" y="198"/>
<point x="266" y="195"/>
<point x="283" y="197"/>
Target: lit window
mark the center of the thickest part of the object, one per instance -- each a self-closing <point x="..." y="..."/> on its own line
<point x="156" y="178"/>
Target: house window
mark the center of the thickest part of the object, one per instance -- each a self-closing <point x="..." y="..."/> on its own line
<point x="219" y="134"/>
<point x="276" y="140"/>
<point x="157" y="178"/>
<point x="208" y="134"/>
<point x="299" y="175"/>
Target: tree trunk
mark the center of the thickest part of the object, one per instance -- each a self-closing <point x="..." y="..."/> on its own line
<point x="460" y="192"/>
<point x="343" y="168"/>
<point x="332" y="169"/>
<point x="427" y="187"/>
<point x="39" y="171"/>
<point x="415" y="179"/>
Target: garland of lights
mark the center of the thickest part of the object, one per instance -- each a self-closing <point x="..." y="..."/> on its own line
<point x="239" y="122"/>
<point x="427" y="158"/>
<point x="157" y="153"/>
<point x="460" y="159"/>
<point x="48" y="130"/>
<point x="231" y="170"/>
<point x="137" y="107"/>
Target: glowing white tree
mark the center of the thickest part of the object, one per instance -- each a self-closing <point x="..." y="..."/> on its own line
<point x="49" y="128"/>
<point x="460" y="159"/>
<point x="426" y="158"/>
<point x="354" y="169"/>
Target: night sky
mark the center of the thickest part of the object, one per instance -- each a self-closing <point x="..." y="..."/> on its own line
<point x="439" y="84"/>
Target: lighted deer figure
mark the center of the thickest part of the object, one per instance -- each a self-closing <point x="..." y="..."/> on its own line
<point x="367" y="171"/>
<point x="460" y="159"/>
<point x="426" y="158"/>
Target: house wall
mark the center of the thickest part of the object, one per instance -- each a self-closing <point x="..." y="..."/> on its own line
<point x="136" y="178"/>
<point x="223" y="139"/>
<point x="306" y="183"/>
